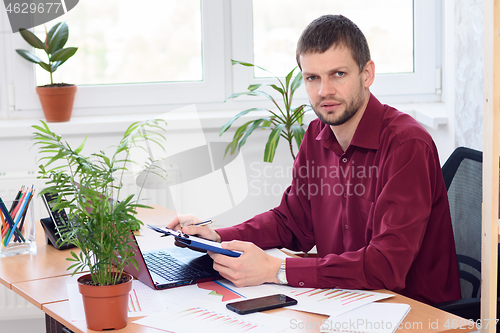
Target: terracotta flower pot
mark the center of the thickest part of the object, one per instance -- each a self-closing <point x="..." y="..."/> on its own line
<point x="106" y="307"/>
<point x="57" y="102"/>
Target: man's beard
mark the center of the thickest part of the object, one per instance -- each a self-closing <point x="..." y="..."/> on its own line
<point x="343" y="118"/>
<point x="349" y="112"/>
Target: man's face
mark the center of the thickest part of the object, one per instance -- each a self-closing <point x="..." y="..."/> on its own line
<point x="334" y="84"/>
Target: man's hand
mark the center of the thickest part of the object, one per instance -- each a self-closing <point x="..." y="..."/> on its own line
<point x="185" y="223"/>
<point x="252" y="268"/>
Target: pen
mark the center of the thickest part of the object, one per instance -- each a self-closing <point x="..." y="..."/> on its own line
<point x="207" y="222"/>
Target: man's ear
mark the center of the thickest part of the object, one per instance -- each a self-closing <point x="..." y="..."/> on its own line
<point x="369" y="73"/>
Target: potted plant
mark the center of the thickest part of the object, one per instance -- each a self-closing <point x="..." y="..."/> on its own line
<point x="56" y="99"/>
<point x="88" y="189"/>
<point x="284" y="122"/>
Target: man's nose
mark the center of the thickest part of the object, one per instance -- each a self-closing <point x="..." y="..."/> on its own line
<point x="327" y="88"/>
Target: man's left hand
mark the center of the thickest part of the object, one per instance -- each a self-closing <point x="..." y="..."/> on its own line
<point x="252" y="268"/>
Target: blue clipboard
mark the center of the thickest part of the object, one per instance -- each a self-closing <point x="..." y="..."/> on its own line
<point x="195" y="242"/>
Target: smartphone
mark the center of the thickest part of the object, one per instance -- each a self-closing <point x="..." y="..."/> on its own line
<point x="261" y="304"/>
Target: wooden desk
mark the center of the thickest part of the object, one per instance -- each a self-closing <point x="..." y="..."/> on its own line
<point x="47" y="262"/>
<point x="42" y="279"/>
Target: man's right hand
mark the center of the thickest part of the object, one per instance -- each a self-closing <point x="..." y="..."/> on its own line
<point x="186" y="223"/>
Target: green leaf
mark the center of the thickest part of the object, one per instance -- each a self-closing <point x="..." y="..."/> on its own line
<point x="298" y="134"/>
<point x="57" y="37"/>
<point x="278" y="89"/>
<point x="298" y="113"/>
<point x="247" y="64"/>
<point x="242" y="113"/>
<point x="296" y="82"/>
<point x="45" y="66"/>
<point x="249" y="131"/>
<point x="54" y="66"/>
<point x="240" y="130"/>
<point x="231" y="147"/>
<point x="236" y="62"/>
<point x="253" y="87"/>
<point x="29" y="56"/>
<point x="272" y="143"/>
<point x="63" y="54"/>
<point x="79" y="149"/>
<point x="289" y="76"/>
<point x="252" y="93"/>
<point x="31" y="38"/>
<point x="73" y="254"/>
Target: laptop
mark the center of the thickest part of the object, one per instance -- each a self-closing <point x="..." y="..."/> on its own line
<point x="171" y="267"/>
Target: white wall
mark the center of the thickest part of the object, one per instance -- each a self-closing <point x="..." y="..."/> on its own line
<point x="468" y="62"/>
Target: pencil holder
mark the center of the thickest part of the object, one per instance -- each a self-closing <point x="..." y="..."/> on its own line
<point x="17" y="228"/>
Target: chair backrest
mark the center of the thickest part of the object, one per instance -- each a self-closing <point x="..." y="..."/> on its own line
<point x="462" y="173"/>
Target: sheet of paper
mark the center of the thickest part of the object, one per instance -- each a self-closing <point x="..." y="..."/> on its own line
<point x="370" y="318"/>
<point x="331" y="302"/>
<point x="200" y="316"/>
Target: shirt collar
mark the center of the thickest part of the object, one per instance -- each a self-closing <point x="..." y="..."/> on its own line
<point x="367" y="133"/>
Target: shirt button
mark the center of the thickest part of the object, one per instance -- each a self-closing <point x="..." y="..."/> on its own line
<point x="345" y="195"/>
<point x="344" y="160"/>
<point x="346" y="227"/>
<point x="301" y="283"/>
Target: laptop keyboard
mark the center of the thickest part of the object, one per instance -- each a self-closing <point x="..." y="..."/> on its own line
<point x="170" y="268"/>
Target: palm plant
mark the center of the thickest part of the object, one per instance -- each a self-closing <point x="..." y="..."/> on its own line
<point x="285" y="122"/>
<point x="88" y="188"/>
<point x="55" y="40"/>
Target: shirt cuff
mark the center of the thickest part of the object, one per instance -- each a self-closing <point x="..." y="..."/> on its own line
<point x="301" y="272"/>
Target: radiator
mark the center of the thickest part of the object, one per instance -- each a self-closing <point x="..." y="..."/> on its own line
<point x="13" y="306"/>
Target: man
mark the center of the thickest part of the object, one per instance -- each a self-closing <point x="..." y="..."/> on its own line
<point x="367" y="189"/>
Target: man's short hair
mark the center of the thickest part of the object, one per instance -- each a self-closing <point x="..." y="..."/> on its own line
<point x="333" y="30"/>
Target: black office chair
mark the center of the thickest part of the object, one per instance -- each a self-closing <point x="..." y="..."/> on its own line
<point x="462" y="174"/>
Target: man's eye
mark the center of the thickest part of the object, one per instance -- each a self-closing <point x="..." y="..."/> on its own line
<point x="340" y="74"/>
<point x="311" y="78"/>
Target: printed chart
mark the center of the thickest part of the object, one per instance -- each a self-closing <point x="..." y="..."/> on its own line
<point x="219" y="289"/>
<point x="210" y="317"/>
<point x="332" y="302"/>
<point x="134" y="305"/>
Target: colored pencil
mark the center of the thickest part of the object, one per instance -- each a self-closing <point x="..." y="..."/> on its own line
<point x="18" y="218"/>
<point x="9" y="219"/>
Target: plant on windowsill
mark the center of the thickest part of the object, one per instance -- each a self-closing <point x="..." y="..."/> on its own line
<point x="88" y="188"/>
<point x="56" y="99"/>
<point x="285" y="122"/>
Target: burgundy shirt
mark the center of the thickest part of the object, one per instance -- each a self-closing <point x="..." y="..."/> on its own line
<point x="378" y="213"/>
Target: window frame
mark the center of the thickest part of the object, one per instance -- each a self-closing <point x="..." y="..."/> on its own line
<point x="98" y="99"/>
<point x="227" y="34"/>
<point x="410" y="87"/>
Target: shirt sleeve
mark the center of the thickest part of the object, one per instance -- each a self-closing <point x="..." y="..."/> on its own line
<point x="289" y="225"/>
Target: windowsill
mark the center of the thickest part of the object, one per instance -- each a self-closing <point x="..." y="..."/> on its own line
<point x="429" y="114"/>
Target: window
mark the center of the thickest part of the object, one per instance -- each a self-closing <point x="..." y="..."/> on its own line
<point x="401" y="34"/>
<point x="154" y="56"/>
<point x="122" y="42"/>
<point x="201" y="83"/>
<point x="387" y="25"/>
